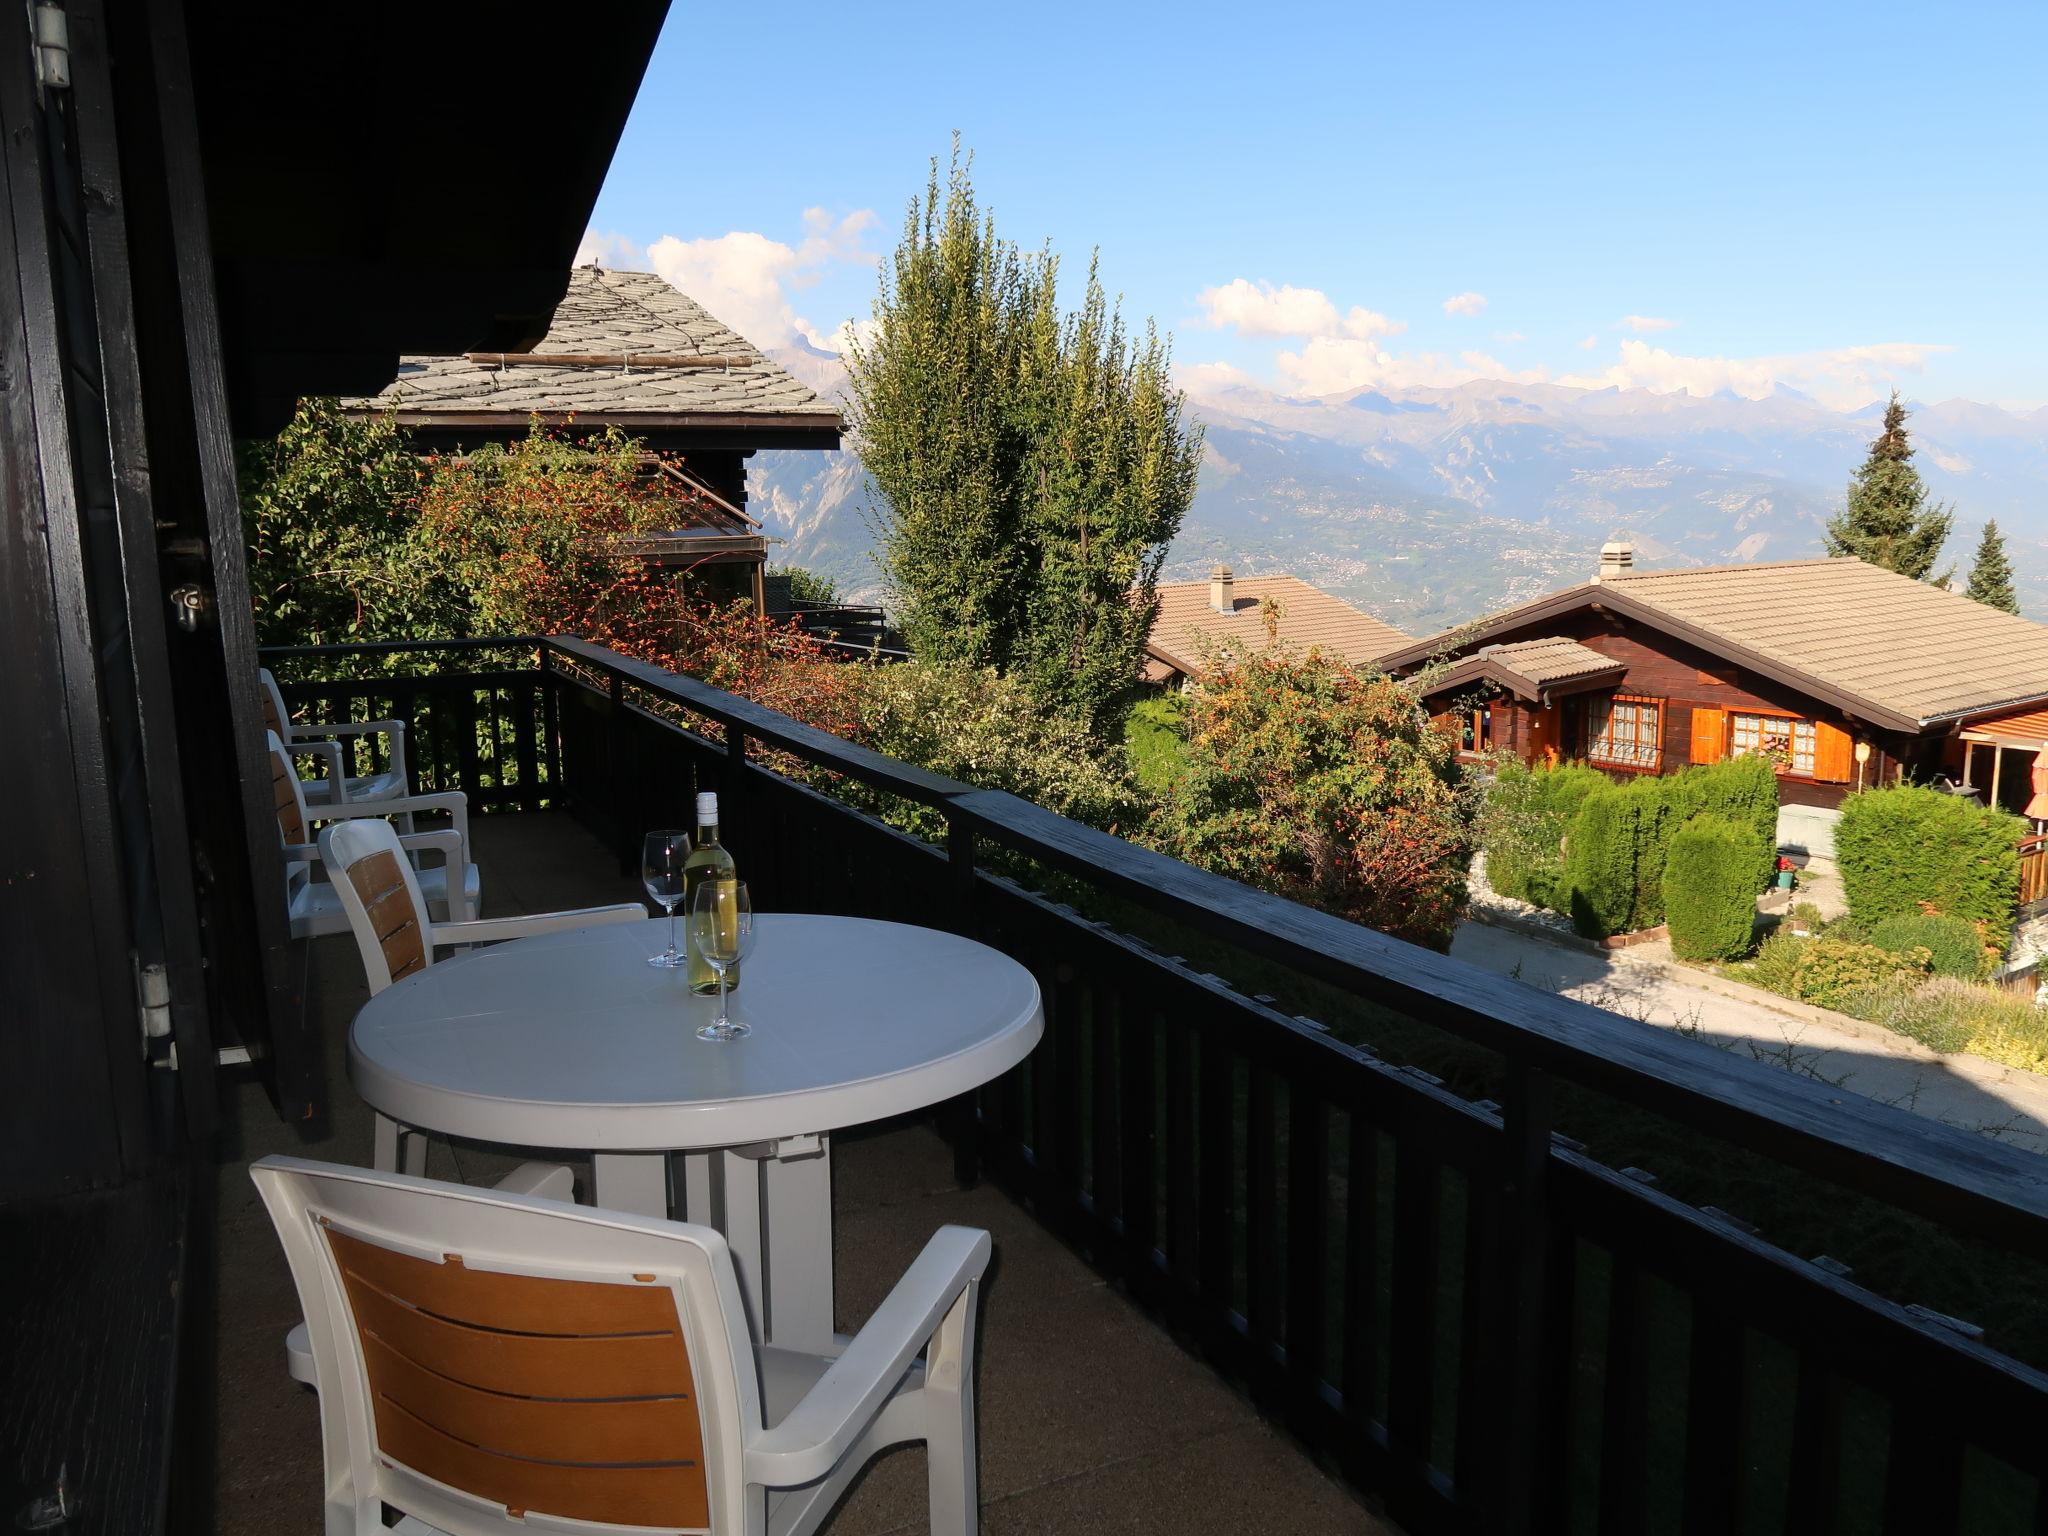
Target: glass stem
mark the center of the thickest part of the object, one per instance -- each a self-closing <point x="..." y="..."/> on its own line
<point x="723" y="1021"/>
<point x="671" y="909"/>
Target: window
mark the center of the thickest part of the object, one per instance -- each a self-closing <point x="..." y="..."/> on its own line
<point x="1625" y="732"/>
<point x="1477" y="734"/>
<point x="1787" y="741"/>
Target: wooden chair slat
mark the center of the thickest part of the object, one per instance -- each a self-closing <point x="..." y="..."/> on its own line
<point x="667" y="1496"/>
<point x="393" y="917"/>
<point x="657" y="1429"/>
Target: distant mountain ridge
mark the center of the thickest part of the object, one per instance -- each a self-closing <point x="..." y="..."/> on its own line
<point x="1430" y="506"/>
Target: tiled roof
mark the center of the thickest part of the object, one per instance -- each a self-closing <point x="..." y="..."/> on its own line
<point x="1554" y="660"/>
<point x="610" y="312"/>
<point x="1892" y="649"/>
<point x="1309" y="618"/>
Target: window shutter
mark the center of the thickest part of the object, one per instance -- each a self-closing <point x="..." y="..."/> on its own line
<point x="1709" y="734"/>
<point x="1834" y="754"/>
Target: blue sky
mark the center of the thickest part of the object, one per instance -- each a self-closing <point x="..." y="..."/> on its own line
<point x="1831" y="198"/>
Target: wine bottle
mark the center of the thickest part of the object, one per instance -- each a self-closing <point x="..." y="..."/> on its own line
<point x="707" y="861"/>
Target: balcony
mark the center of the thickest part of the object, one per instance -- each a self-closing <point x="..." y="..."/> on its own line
<point x="1492" y="1259"/>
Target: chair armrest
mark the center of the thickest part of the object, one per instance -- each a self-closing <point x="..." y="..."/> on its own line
<point x="329" y="753"/>
<point x="348" y="728"/>
<point x="452" y="801"/>
<point x="836" y="1412"/>
<point x="492" y="930"/>
<point x="447" y="841"/>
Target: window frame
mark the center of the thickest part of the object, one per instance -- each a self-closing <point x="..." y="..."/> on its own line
<point x="1793" y="723"/>
<point x="1654" y="743"/>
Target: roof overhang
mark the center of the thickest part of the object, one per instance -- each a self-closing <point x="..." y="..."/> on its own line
<point x="1602" y="595"/>
<point x="1484" y="668"/>
<point x="660" y="430"/>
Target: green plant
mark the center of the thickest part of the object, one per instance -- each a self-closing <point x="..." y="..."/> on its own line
<point x="1910" y="849"/>
<point x="1031" y="467"/>
<point x="1888" y="519"/>
<point x="1152" y="737"/>
<point x="1776" y="965"/>
<point x="1956" y="945"/>
<point x="991" y="732"/>
<point x="1829" y="972"/>
<point x="1614" y="859"/>
<point x="1326" y="785"/>
<point x="1709" y="889"/>
<point x="808" y="586"/>
<point x="1528" y="811"/>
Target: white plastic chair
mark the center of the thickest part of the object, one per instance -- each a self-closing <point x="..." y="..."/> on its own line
<point x="313" y="904"/>
<point x="331" y="743"/>
<point x="491" y="1363"/>
<point x="382" y="895"/>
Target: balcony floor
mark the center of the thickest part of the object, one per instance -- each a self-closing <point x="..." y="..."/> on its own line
<point x="1092" y="1419"/>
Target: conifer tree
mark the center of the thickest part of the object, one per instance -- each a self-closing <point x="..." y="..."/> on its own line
<point x="1888" y="520"/>
<point x="1032" y="468"/>
<point x="1991" y="573"/>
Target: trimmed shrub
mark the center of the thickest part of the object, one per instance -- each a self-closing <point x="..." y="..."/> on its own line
<point x="1710" y="888"/>
<point x="1777" y="964"/>
<point x="1614" y="858"/>
<point x="1957" y="946"/>
<point x="1911" y="849"/>
<point x="1745" y="790"/>
<point x="1528" y="811"/>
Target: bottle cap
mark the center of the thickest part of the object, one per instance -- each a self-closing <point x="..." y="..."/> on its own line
<point x="707" y="807"/>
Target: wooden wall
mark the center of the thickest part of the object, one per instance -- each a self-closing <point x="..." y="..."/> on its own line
<point x="1660" y="666"/>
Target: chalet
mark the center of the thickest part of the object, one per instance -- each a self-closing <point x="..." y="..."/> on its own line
<point x="1848" y="674"/>
<point x="625" y="349"/>
<point x="1196" y="615"/>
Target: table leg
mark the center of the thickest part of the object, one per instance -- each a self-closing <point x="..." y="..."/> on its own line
<point x="740" y="1215"/>
<point x="398" y="1148"/>
<point x="698" y="1178"/>
<point x="797" y="1194"/>
<point x="636" y="1182"/>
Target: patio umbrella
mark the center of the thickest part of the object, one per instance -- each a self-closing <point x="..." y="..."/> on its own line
<point x="2037" y="808"/>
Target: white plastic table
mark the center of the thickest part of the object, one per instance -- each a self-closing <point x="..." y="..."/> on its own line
<point x="571" y="1041"/>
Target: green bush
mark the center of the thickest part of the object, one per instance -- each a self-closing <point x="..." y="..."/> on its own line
<point x="1152" y="737"/>
<point x="1911" y="849"/>
<point x="1957" y="946"/>
<point x="1614" y="859"/>
<point x="1776" y="966"/>
<point x="1522" y="830"/>
<point x="1710" y="888"/>
<point x="1830" y="973"/>
<point x="1745" y="790"/>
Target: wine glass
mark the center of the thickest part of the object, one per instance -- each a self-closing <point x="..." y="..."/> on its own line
<point x="661" y="871"/>
<point x="722" y="928"/>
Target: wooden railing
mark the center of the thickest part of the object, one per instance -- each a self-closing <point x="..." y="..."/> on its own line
<point x="2033" y="869"/>
<point x="1477" y="1322"/>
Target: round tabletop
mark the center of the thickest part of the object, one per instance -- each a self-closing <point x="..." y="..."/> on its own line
<point x="571" y="1040"/>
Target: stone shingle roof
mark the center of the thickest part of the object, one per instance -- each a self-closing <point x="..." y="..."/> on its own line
<point x="1882" y="646"/>
<point x="609" y="312"/>
<point x="1309" y="618"/>
<point x="1528" y="667"/>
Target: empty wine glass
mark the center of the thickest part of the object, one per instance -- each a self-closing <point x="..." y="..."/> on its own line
<point x="661" y="871"/>
<point x="722" y="928"/>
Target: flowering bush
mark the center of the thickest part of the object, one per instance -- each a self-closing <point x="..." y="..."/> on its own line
<point x="1326" y="785"/>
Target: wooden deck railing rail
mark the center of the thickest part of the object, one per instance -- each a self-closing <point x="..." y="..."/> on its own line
<point x="1483" y="1327"/>
<point x="2033" y="869"/>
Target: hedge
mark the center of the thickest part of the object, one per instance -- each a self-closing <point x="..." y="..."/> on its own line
<point x="1955" y="944"/>
<point x="1528" y="812"/>
<point x="1614" y="859"/>
<point x="1710" y="888"/>
<point x="1910" y="849"/>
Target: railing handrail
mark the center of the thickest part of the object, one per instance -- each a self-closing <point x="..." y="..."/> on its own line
<point x="391" y="647"/>
<point x="1953" y="1176"/>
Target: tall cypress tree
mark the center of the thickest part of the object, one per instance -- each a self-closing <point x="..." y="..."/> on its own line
<point x="1888" y="520"/>
<point x="1032" y="468"/>
<point x="1991" y="573"/>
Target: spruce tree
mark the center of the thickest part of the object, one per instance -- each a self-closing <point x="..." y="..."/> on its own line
<point x="1888" y="520"/>
<point x="1991" y="573"/>
<point x="1031" y="467"/>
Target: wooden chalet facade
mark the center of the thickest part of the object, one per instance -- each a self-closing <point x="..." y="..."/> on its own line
<point x="1849" y="675"/>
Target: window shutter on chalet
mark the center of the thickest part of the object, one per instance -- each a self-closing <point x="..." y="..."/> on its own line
<point x="1709" y="734"/>
<point x="1834" y="754"/>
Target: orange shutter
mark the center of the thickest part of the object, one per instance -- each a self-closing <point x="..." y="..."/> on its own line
<point x="1834" y="754"/>
<point x="1709" y="734"/>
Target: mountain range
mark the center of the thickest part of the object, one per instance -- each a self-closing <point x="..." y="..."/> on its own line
<point x="1427" y="507"/>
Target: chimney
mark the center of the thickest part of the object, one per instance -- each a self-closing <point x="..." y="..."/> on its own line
<point x="1617" y="558"/>
<point x="1220" y="593"/>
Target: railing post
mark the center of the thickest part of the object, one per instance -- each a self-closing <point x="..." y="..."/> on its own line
<point x="962" y="1116"/>
<point x="1514" y="1341"/>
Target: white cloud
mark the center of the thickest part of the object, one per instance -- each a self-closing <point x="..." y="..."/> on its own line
<point x="611" y="250"/>
<point x="1465" y="304"/>
<point x="1207" y="378"/>
<point x="745" y="278"/>
<point x="1509" y="338"/>
<point x="1644" y="324"/>
<point x="1328" y="365"/>
<point x="1260" y="309"/>
<point x="1590" y="343"/>
<point x="1843" y="377"/>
